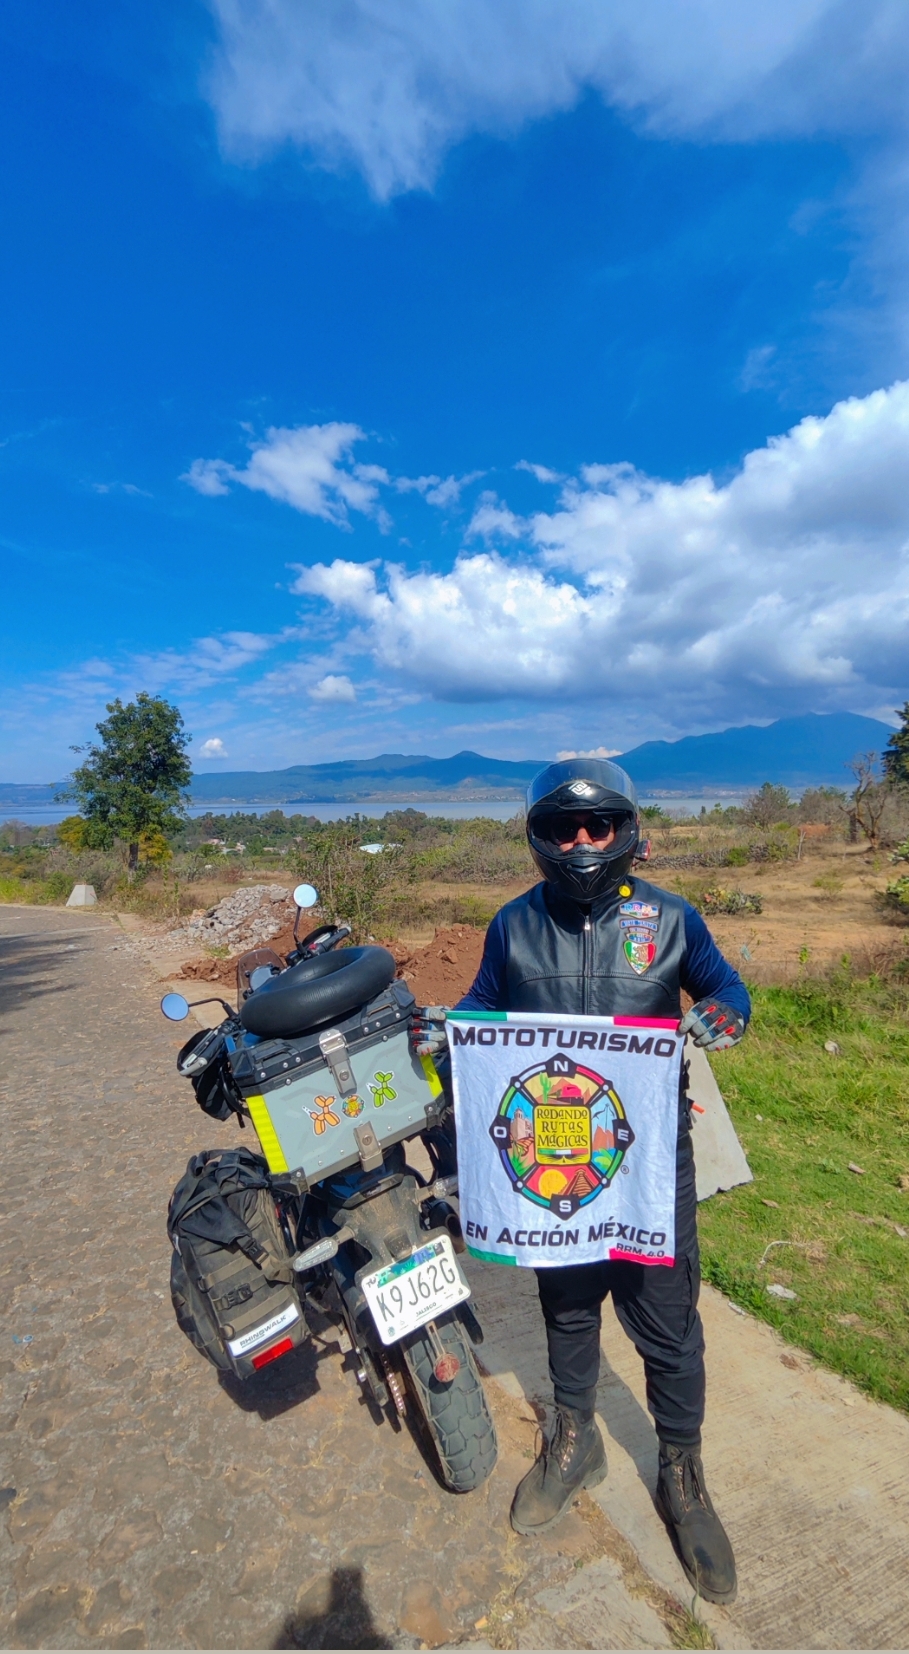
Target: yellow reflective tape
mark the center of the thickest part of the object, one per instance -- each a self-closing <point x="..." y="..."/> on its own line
<point x="266" y="1134"/>
<point x="432" y="1078"/>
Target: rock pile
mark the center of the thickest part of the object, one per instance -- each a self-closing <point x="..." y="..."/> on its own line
<point x="245" y="919"/>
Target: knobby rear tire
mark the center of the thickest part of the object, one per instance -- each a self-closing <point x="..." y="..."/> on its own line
<point x="456" y="1415"/>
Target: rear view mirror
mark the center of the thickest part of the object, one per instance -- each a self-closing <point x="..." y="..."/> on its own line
<point x="175" y="1007"/>
<point x="306" y="895"/>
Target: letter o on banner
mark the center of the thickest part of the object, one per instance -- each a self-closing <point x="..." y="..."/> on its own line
<point x="486" y="1036"/>
<point x="664" y="1048"/>
<point x="525" y="1036"/>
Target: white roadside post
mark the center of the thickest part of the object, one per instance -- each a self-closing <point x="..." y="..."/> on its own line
<point x="82" y="895"/>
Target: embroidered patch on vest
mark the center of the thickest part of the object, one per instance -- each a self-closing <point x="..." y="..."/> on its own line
<point x="640" y="922"/>
<point x="640" y="951"/>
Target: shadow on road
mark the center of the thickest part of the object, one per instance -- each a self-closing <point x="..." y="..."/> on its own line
<point x="346" y="1622"/>
<point x="628" y="1423"/>
<point x="30" y="968"/>
<point x="277" y="1388"/>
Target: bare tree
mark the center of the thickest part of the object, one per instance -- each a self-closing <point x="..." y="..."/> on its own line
<point x="868" y="799"/>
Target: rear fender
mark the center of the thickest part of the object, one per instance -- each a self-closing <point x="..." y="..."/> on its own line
<point x="387" y="1226"/>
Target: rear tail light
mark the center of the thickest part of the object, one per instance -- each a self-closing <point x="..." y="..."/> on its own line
<point x="264" y="1356"/>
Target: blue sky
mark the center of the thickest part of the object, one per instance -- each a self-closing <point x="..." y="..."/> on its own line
<point x="409" y="375"/>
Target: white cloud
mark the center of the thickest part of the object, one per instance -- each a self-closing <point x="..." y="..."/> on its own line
<point x="213" y="748"/>
<point x="333" y="687"/>
<point x="121" y="487"/>
<point x="440" y="491"/>
<point x="784" y="589"/>
<point x="311" y="467"/>
<point x="541" y="472"/>
<point x="592" y="752"/>
<point x="759" y="370"/>
<point x="207" y="660"/>
<point x="207" y="476"/>
<point x="389" y="85"/>
<point x="492" y="520"/>
<point x="308" y="467"/>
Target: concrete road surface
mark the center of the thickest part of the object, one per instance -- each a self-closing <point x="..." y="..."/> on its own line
<point x="148" y="1505"/>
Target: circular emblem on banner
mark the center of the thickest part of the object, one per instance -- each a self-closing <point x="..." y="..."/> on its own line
<point x="562" y="1134"/>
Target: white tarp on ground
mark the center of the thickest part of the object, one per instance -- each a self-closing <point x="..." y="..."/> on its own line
<point x="566" y="1136"/>
<point x="719" y="1159"/>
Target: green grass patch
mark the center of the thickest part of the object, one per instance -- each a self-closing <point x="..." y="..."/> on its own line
<point x="818" y="1112"/>
<point x="56" y="888"/>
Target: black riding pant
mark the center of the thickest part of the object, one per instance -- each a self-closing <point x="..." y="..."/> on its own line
<point x="657" y="1307"/>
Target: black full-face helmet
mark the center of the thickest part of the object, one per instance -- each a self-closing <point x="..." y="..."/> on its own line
<point x="594" y="791"/>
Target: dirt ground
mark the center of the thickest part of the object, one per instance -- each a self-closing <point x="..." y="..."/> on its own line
<point x="438" y="967"/>
<point x="803" y="923"/>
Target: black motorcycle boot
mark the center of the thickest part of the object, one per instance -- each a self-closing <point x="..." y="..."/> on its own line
<point x="696" y="1531"/>
<point x="572" y="1458"/>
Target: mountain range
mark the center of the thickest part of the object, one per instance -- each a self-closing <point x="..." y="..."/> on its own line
<point x="813" y="750"/>
<point x="809" y="751"/>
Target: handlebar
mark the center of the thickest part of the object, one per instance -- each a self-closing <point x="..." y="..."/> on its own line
<point x="319" y="941"/>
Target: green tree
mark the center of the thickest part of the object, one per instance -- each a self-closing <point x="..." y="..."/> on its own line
<point x="130" y="786"/>
<point x="768" y="806"/>
<point x="353" y="885"/>
<point x="895" y="757"/>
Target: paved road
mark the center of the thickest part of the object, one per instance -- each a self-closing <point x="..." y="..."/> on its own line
<point x="147" y="1505"/>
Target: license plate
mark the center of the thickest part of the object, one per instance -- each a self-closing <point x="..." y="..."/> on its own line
<point x="407" y="1294"/>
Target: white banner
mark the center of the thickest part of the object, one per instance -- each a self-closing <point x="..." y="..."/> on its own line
<point x="567" y="1132"/>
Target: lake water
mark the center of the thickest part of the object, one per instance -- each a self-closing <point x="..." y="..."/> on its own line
<point x="460" y="810"/>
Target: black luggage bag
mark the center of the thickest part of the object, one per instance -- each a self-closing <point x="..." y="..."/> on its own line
<point x="232" y="1284"/>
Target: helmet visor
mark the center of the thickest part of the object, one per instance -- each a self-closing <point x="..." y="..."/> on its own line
<point x="565" y="830"/>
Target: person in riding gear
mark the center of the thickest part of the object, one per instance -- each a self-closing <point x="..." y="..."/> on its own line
<point x="594" y="939"/>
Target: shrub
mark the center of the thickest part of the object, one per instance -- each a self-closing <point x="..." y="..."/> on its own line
<point x="823" y="806"/>
<point x="895" y="899"/>
<point x="830" y="883"/>
<point x="780" y="846"/>
<point x="718" y="900"/>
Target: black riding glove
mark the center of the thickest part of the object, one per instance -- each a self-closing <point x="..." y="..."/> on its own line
<point x="428" y="1036"/>
<point x="713" y="1025"/>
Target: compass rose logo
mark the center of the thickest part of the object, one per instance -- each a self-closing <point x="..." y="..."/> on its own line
<point x="562" y="1134"/>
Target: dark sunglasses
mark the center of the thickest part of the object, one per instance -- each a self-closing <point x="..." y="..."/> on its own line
<point x="563" y="828"/>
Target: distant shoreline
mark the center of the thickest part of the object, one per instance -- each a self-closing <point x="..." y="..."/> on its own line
<point x="501" y="809"/>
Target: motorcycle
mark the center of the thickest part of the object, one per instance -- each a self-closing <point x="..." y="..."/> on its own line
<point x="372" y="1244"/>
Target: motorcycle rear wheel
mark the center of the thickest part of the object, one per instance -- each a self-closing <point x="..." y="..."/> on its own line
<point x="456" y="1415"/>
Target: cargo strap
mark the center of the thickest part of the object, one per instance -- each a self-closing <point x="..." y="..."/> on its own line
<point x="199" y="1206"/>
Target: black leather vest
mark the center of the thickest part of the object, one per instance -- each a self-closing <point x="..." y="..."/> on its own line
<point x="624" y="956"/>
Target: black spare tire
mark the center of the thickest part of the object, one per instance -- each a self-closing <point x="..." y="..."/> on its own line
<point x="316" y="991"/>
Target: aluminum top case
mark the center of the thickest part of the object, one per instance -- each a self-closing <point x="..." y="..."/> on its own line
<point x="332" y="1098"/>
